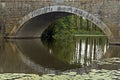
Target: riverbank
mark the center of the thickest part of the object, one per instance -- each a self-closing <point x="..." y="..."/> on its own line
<point x="88" y="35"/>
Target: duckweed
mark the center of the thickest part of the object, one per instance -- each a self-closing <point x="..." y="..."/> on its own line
<point x="94" y="74"/>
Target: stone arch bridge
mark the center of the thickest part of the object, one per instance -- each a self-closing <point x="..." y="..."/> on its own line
<point x="29" y="18"/>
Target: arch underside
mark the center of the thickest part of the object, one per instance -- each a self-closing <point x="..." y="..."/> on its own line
<point x="34" y="24"/>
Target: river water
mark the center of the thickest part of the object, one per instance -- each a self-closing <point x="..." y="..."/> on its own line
<point x="80" y="54"/>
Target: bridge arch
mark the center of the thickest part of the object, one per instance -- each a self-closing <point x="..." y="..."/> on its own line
<point x="28" y="26"/>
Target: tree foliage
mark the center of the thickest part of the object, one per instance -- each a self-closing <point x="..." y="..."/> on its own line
<point x="68" y="26"/>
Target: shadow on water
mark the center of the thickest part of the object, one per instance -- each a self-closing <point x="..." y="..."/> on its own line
<point x="35" y="56"/>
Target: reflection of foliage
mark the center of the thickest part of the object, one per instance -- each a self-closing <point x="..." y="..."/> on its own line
<point x="66" y="51"/>
<point x="71" y="50"/>
<point x="63" y="50"/>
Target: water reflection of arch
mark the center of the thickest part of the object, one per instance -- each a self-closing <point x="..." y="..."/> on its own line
<point x="35" y="55"/>
<point x="21" y="53"/>
<point x="9" y="57"/>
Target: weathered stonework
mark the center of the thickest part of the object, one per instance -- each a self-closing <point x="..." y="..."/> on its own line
<point x="67" y="9"/>
<point x="104" y="13"/>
